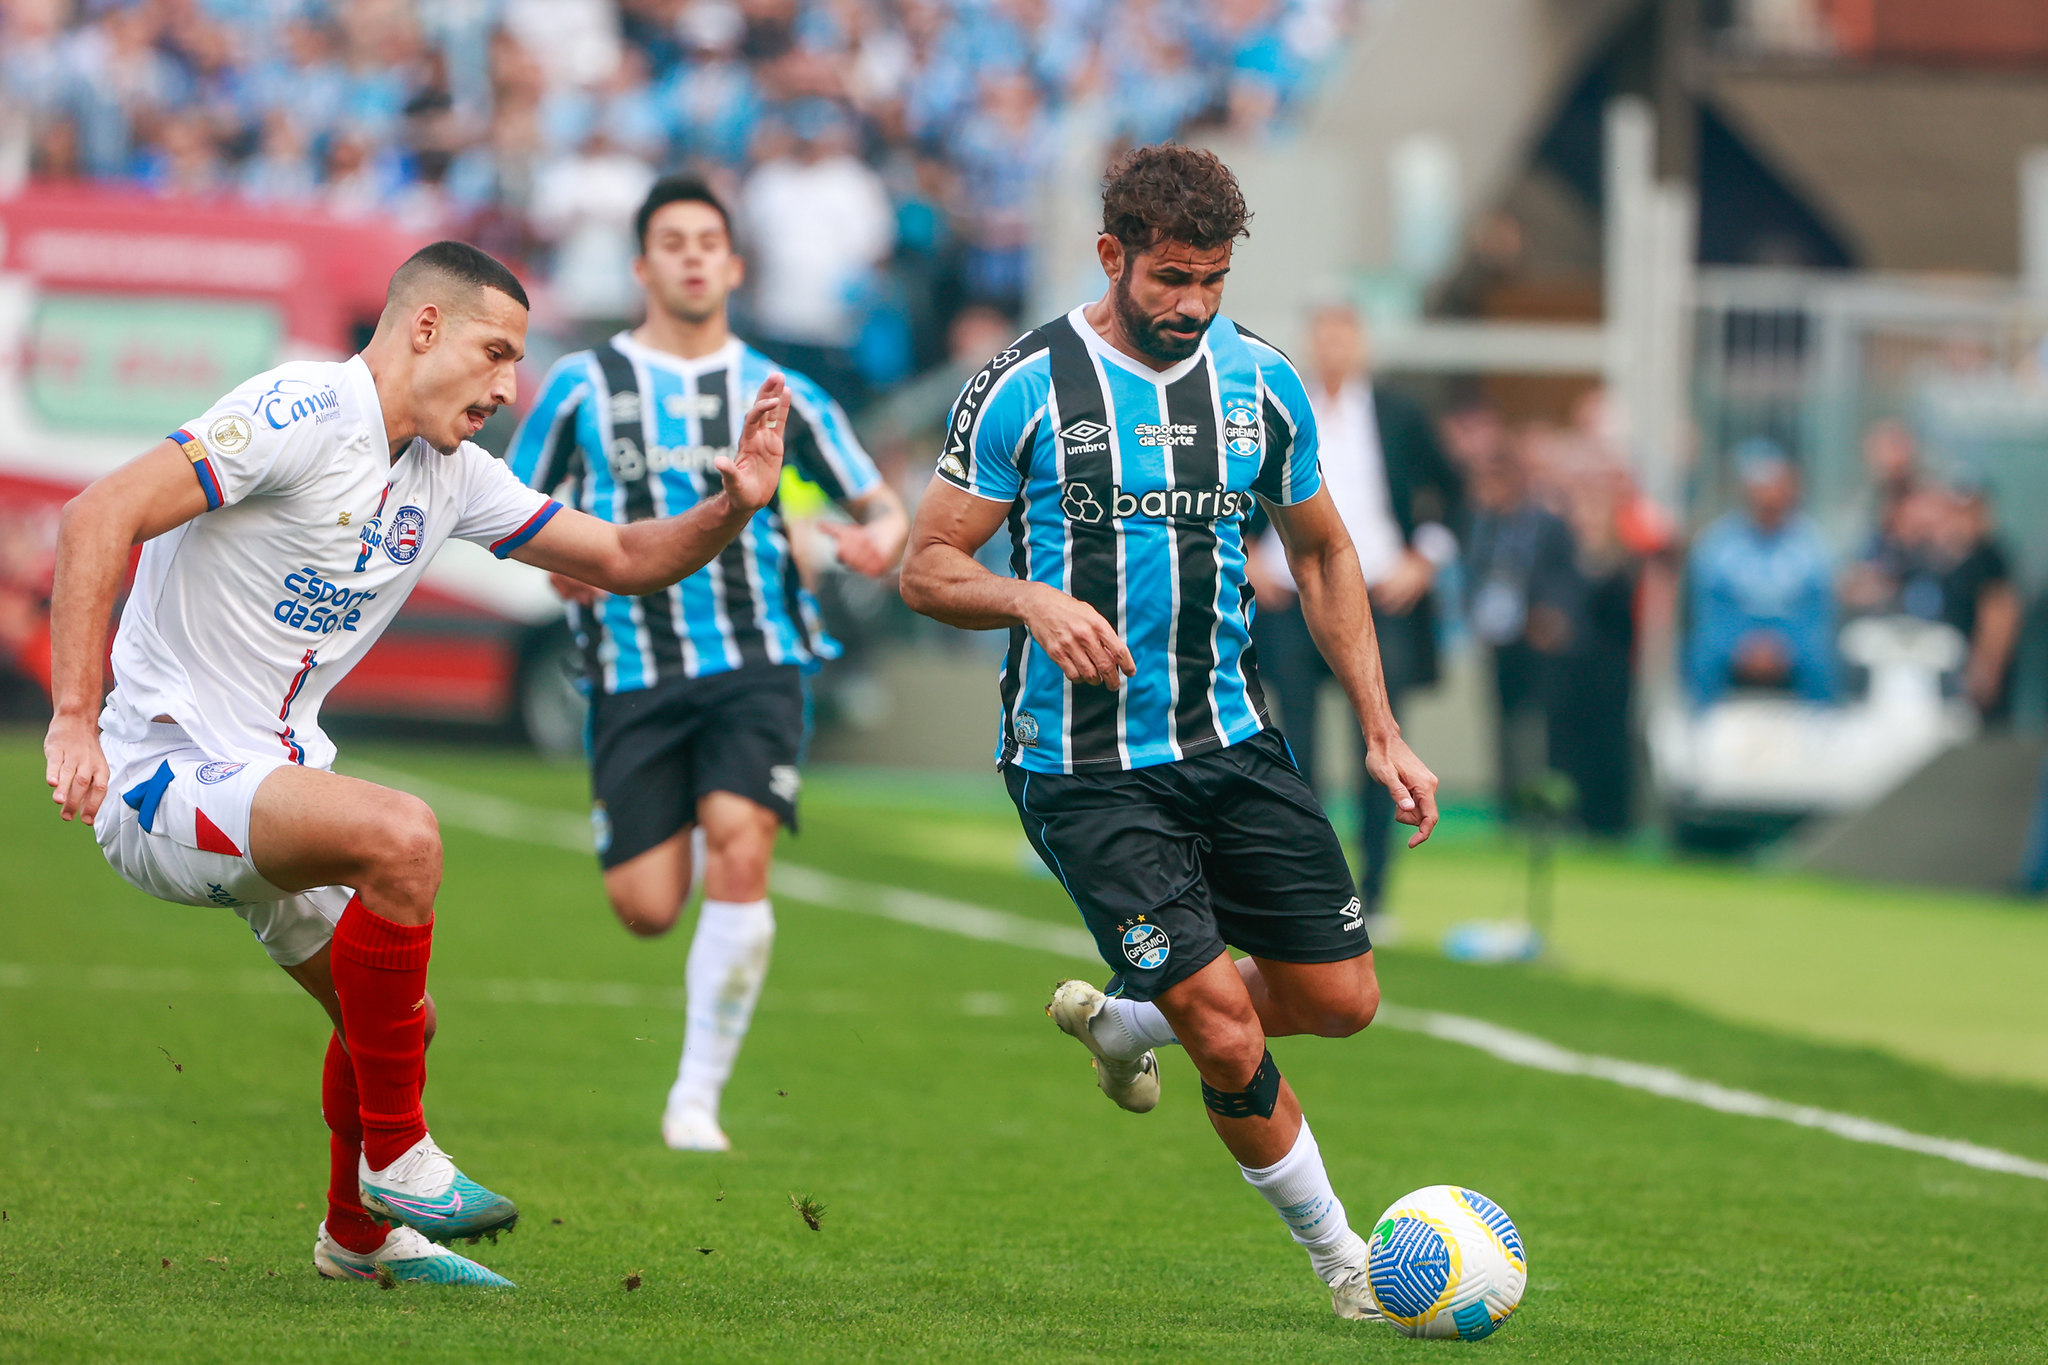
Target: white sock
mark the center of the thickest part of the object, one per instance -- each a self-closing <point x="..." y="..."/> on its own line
<point x="1299" y="1190"/>
<point x="1127" y="1029"/>
<point x="728" y="962"/>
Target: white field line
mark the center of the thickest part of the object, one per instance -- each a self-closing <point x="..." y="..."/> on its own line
<point x="1524" y="1049"/>
<point x="485" y="814"/>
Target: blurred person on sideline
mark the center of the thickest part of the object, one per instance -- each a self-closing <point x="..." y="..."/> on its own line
<point x="1891" y="462"/>
<point x="1524" y="601"/>
<point x="820" y="222"/>
<point x="1472" y="431"/>
<point x="1395" y="492"/>
<point x="1762" y="590"/>
<point x="1954" y="569"/>
<point x="1617" y="533"/>
<point x="699" y="706"/>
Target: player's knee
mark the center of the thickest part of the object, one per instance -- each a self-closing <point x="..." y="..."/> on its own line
<point x="402" y="852"/>
<point x="738" y="845"/>
<point x="647" y="917"/>
<point x="1354" y="1014"/>
<point x="1230" y="1052"/>
<point x="406" y="835"/>
<point x="736" y="863"/>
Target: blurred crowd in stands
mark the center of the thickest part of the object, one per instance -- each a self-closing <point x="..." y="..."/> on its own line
<point x="1531" y="540"/>
<point x="1767" y="593"/>
<point x="883" y="153"/>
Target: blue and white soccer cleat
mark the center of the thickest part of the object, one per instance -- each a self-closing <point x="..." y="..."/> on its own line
<point x="424" y="1191"/>
<point x="405" y="1256"/>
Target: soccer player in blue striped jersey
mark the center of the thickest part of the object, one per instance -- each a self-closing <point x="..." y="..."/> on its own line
<point x="697" y="693"/>
<point x="1124" y="444"/>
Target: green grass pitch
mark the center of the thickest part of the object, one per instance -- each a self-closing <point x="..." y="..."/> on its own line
<point x="162" y="1157"/>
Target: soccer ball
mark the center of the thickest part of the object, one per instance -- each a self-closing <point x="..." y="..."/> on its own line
<point x="1446" y="1262"/>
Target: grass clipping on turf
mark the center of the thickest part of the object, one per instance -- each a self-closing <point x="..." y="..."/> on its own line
<point x="808" y="1209"/>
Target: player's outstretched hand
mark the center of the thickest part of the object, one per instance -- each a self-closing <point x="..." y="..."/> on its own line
<point x="74" y="766"/>
<point x="1394" y="766"/>
<point x="754" y="469"/>
<point x="1078" y="639"/>
<point x="864" y="549"/>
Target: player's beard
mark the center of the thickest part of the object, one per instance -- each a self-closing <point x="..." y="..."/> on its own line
<point x="694" y="312"/>
<point x="1149" y="335"/>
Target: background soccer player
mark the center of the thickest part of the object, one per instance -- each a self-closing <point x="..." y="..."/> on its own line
<point x="280" y="534"/>
<point x="1130" y="438"/>
<point x="697" y="692"/>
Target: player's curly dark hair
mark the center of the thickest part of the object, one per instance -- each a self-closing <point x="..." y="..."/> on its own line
<point x="1171" y="193"/>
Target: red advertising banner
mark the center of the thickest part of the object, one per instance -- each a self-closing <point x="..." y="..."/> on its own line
<point x="325" y="276"/>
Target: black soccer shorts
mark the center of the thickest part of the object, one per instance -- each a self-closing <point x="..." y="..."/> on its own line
<point x="1170" y="863"/>
<point x="655" y="752"/>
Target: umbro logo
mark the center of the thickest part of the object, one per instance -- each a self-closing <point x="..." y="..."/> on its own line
<point x="626" y="406"/>
<point x="1084" y="437"/>
<point x="1353" y="916"/>
<point x="699" y="405"/>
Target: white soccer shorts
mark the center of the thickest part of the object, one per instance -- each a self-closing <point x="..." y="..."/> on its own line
<point x="175" y="825"/>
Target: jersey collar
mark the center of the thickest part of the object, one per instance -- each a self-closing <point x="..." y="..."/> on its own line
<point x="1078" y="320"/>
<point x="372" y="409"/>
<point x="725" y="357"/>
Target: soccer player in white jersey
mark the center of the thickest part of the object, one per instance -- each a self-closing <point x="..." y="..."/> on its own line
<point x="280" y="533"/>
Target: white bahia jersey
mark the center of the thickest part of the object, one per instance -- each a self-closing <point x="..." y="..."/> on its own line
<point x="243" y="619"/>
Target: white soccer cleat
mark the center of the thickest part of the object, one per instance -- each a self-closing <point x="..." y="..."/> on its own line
<point x="405" y="1257"/>
<point x="693" y="1128"/>
<point x="1133" y="1084"/>
<point x="1350" y="1288"/>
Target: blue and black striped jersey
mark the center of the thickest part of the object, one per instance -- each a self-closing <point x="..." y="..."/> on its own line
<point x="626" y="432"/>
<point x="1128" y="488"/>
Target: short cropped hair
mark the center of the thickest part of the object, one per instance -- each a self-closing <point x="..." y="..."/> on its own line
<point x="1172" y="193"/>
<point x="459" y="261"/>
<point x="678" y="189"/>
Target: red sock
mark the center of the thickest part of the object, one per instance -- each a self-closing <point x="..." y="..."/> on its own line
<point x="348" y="1222"/>
<point x="380" y="974"/>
